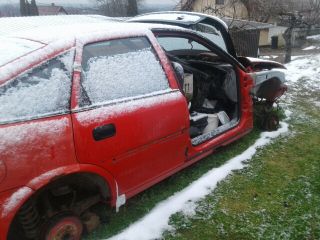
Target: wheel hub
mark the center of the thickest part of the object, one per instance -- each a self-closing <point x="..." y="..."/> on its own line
<point x="66" y="228"/>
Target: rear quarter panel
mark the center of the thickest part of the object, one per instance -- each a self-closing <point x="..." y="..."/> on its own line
<point x="29" y="149"/>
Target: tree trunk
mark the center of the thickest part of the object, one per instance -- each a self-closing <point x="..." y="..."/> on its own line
<point x="23" y="8"/>
<point x="288" y="48"/>
<point x="34" y="9"/>
<point x="132" y="8"/>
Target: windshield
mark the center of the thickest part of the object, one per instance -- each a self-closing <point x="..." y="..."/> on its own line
<point x="13" y="48"/>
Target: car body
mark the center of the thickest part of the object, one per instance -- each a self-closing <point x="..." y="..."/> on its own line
<point x="92" y="111"/>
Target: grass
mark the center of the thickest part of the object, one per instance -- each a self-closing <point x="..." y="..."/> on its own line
<point x="276" y="197"/>
<point x="141" y="204"/>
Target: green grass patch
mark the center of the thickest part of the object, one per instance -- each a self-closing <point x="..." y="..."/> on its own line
<point x="141" y="204"/>
<point x="276" y="197"/>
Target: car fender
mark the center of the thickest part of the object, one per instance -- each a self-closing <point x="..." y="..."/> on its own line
<point x="45" y="178"/>
<point x="10" y="203"/>
<point x="256" y="64"/>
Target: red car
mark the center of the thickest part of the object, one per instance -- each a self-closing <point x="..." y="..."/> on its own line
<point x="93" y="110"/>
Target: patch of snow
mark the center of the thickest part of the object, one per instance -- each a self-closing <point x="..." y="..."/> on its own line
<point x="169" y="17"/>
<point x="48" y="175"/>
<point x="123" y="75"/>
<point x="154" y="223"/>
<point x="12" y="48"/>
<point x="314" y="37"/>
<point x="15" y="200"/>
<point x="307" y="67"/>
<point x="317" y="104"/>
<point x="34" y="58"/>
<point x="288" y="114"/>
<point x="269" y="57"/>
<point x="310" y="48"/>
<point x="41" y="91"/>
<point x="13" y="136"/>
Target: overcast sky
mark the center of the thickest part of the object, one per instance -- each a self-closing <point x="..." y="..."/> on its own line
<point x="62" y="2"/>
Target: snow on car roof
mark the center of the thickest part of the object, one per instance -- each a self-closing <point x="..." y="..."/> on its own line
<point x="54" y="34"/>
<point x="12" y="25"/>
<point x="12" y="48"/>
<point x="50" y="28"/>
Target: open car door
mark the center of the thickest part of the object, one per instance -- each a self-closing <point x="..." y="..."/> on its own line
<point x="211" y="27"/>
<point x="268" y="83"/>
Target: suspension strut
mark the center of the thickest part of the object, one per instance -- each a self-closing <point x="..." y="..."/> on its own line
<point x="29" y="219"/>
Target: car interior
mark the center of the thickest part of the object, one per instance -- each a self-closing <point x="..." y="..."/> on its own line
<point x="209" y="84"/>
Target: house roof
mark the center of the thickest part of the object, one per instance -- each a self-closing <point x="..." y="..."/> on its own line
<point x="51" y="10"/>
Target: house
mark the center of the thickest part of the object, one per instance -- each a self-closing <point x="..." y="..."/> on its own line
<point x="248" y="36"/>
<point x="226" y="8"/>
<point x="233" y="12"/>
<point x="51" y="10"/>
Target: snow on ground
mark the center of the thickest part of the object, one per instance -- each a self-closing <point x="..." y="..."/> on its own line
<point x="314" y="37"/>
<point x="306" y="70"/>
<point x="310" y="48"/>
<point x="152" y="225"/>
<point x="269" y="57"/>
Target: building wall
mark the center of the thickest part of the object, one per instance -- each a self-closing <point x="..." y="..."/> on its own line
<point x="277" y="31"/>
<point x="264" y="37"/>
<point x="227" y="9"/>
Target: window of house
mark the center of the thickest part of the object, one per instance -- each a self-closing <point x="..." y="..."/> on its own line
<point x="44" y="90"/>
<point x="219" y="2"/>
<point x="120" y="69"/>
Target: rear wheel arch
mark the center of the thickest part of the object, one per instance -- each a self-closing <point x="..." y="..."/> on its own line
<point x="85" y="188"/>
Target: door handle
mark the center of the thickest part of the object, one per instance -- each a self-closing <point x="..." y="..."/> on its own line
<point x="103" y="132"/>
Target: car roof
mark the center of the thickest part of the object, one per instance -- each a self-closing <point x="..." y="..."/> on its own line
<point x="28" y="38"/>
<point x="46" y="29"/>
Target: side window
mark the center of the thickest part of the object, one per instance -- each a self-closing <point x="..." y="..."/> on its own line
<point x="45" y="90"/>
<point x="118" y="69"/>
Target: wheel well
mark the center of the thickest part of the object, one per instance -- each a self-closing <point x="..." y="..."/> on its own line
<point x="73" y="193"/>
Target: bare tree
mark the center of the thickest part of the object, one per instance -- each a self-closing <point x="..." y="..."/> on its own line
<point x="132" y="9"/>
<point x="306" y="15"/>
<point x="28" y="9"/>
<point x="9" y="10"/>
<point x="118" y="8"/>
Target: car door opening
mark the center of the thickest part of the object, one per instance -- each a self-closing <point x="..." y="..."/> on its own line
<point x="209" y="84"/>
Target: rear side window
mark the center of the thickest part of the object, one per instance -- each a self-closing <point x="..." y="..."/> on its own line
<point x="120" y="69"/>
<point x="43" y="91"/>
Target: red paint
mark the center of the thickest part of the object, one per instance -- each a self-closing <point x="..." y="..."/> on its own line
<point x="149" y="145"/>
